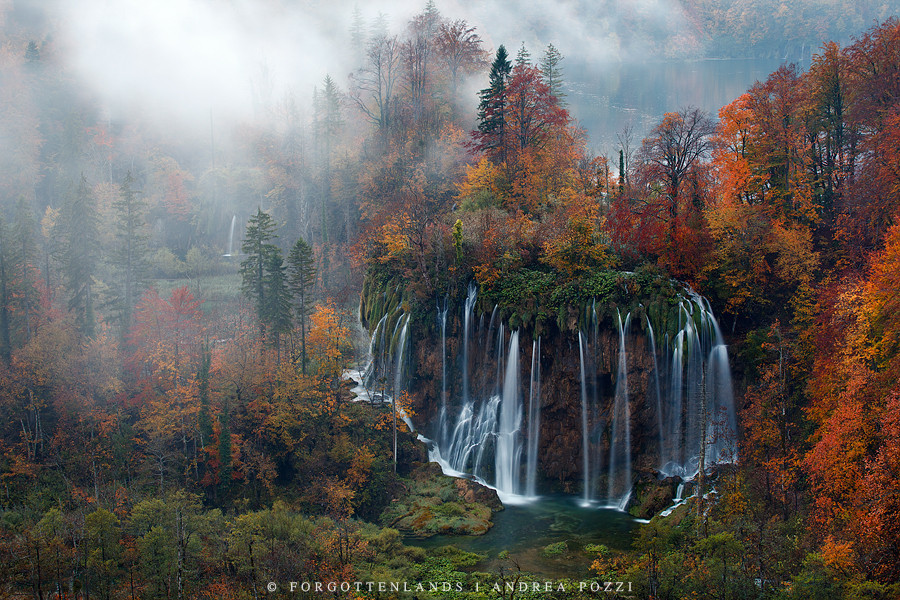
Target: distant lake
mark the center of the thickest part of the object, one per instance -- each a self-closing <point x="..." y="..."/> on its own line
<point x="604" y="99"/>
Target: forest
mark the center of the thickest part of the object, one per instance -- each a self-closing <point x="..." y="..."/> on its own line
<point x="179" y="313"/>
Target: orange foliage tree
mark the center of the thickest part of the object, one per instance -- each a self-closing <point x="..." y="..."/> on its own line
<point x="852" y="464"/>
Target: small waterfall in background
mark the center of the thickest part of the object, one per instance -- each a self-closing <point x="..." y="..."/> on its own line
<point x="231" y="236"/>
<point x="384" y="374"/>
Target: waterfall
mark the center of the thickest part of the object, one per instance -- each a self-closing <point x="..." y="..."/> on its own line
<point x="498" y="378"/>
<point x="368" y="376"/>
<point x="693" y="398"/>
<point x="595" y="431"/>
<point x="534" y="418"/>
<point x="400" y="373"/>
<point x="399" y="368"/>
<point x="442" y="417"/>
<point x="659" y="413"/>
<point x="673" y="457"/>
<point x="723" y="421"/>
<point x="508" y="453"/>
<point x="585" y="449"/>
<point x="231" y="235"/>
<point x="487" y="432"/>
<point x="619" y="478"/>
<point x="699" y="387"/>
<point x="489" y="426"/>
<point x="467" y="323"/>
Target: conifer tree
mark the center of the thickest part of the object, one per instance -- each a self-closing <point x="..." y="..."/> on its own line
<point x="301" y="277"/>
<point x="277" y="301"/>
<point x="493" y="106"/>
<point x="32" y="52"/>
<point x="523" y="56"/>
<point x="17" y="292"/>
<point x="78" y="231"/>
<point x="259" y="249"/>
<point x="24" y="253"/>
<point x="553" y="72"/>
<point x="358" y="34"/>
<point x="128" y="257"/>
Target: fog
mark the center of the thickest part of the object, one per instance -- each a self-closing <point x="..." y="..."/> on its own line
<point x="182" y="59"/>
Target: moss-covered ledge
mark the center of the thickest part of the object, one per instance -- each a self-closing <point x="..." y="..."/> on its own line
<point x="437" y="504"/>
<point x="541" y="299"/>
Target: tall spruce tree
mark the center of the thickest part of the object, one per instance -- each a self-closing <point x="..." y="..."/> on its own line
<point x="553" y="72"/>
<point x="79" y="251"/>
<point x="493" y="106"/>
<point x="277" y="302"/>
<point x="523" y="56"/>
<point x="24" y="254"/>
<point x="261" y="254"/>
<point x="128" y="256"/>
<point x="301" y="277"/>
<point x="358" y="34"/>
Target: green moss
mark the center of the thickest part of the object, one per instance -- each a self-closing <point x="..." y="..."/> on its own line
<point x="554" y="550"/>
<point x="537" y="298"/>
<point x="435" y="504"/>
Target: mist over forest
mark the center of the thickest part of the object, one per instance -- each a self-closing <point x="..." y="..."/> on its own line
<point x="271" y="270"/>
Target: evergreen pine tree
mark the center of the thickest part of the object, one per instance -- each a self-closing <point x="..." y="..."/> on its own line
<point x="301" y="277"/>
<point x="379" y="27"/>
<point x="523" y="56"/>
<point x="23" y="254"/>
<point x="79" y="250"/>
<point x="553" y="72"/>
<point x="329" y="120"/>
<point x="32" y="53"/>
<point x="493" y="106"/>
<point x="258" y="248"/>
<point x="358" y="35"/>
<point x="130" y="251"/>
<point x="432" y="18"/>
<point x="277" y="299"/>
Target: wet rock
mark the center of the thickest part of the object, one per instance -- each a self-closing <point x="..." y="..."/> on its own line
<point x="651" y="495"/>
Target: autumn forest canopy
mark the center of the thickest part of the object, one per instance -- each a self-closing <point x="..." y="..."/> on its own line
<point x="177" y="313"/>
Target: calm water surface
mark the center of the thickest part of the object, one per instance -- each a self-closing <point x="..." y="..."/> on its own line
<point x="526" y="530"/>
<point x="606" y="98"/>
